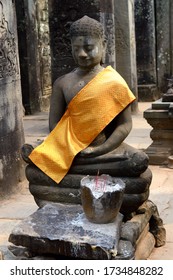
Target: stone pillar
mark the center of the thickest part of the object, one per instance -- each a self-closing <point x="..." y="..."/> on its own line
<point x="29" y="54"/>
<point x="62" y="13"/>
<point x="164" y="37"/>
<point x="11" y="126"/>
<point x="35" y="61"/>
<point x="171" y="52"/>
<point x="44" y="53"/>
<point x="126" y="44"/>
<point x="171" y="12"/>
<point x="146" y="50"/>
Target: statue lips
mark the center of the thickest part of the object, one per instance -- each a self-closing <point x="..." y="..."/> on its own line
<point x="83" y="61"/>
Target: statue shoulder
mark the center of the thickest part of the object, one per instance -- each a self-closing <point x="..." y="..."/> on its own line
<point x="63" y="80"/>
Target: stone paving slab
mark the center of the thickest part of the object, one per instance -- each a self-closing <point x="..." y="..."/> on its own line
<point x="162" y="253"/>
<point x="6" y="226"/>
<point x="17" y="210"/>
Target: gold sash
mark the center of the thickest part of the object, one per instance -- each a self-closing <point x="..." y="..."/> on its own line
<point x="88" y="113"/>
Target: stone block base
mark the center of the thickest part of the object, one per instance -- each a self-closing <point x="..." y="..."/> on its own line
<point x="63" y="230"/>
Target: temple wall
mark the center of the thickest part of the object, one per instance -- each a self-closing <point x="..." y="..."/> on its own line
<point x="11" y="126"/>
<point x="139" y="44"/>
<point x="153" y="20"/>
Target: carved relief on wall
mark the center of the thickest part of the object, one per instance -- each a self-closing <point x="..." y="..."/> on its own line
<point x="8" y="55"/>
<point x="108" y="22"/>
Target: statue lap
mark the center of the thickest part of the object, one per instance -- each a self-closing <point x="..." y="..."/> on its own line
<point x="126" y="163"/>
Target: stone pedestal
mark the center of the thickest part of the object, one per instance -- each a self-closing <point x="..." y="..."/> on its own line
<point x="63" y="230"/>
<point x="160" y="117"/>
<point x="45" y="190"/>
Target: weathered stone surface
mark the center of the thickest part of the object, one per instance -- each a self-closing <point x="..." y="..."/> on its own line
<point x="159" y="116"/>
<point x="145" y="43"/>
<point x="131" y="202"/>
<point x="11" y="126"/>
<point x="46" y="190"/>
<point x="125" y="251"/>
<point x="167" y="97"/>
<point x="35" y="58"/>
<point x="145" y="244"/>
<point x="55" y="194"/>
<point x="145" y="247"/>
<point x="20" y="252"/>
<point x="126" y="45"/>
<point x="133" y="184"/>
<point x="64" y="230"/>
<point x="101" y="198"/>
<point x="164" y="42"/>
<point x="147" y="93"/>
<point x="132" y="229"/>
<point x="143" y="234"/>
<point x="36" y="177"/>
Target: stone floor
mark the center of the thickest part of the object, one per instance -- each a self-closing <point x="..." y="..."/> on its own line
<point x="21" y="204"/>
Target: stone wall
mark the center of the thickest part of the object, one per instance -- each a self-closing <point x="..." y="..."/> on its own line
<point x="11" y="127"/>
<point x="46" y="24"/>
<point x="154" y="47"/>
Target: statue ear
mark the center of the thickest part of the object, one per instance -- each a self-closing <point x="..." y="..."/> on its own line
<point x="104" y="51"/>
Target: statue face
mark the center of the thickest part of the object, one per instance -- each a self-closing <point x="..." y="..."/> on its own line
<point x="87" y="51"/>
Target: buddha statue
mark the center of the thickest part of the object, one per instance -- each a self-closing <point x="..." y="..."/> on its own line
<point x="89" y="119"/>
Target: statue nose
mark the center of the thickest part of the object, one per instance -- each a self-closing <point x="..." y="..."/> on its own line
<point x="82" y="54"/>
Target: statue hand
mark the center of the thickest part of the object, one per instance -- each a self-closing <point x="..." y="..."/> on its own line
<point x="89" y="152"/>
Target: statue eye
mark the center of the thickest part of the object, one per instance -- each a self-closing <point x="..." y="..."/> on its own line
<point x="89" y="48"/>
<point x="75" y="49"/>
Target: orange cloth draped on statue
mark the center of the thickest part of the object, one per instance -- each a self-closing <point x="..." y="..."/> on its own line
<point x="87" y="114"/>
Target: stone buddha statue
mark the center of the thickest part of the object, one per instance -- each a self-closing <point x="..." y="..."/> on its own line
<point x="89" y="120"/>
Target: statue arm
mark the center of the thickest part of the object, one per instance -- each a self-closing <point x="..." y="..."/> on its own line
<point x="57" y="105"/>
<point x="121" y="131"/>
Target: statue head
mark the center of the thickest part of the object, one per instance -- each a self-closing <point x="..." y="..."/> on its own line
<point x="88" y="41"/>
<point x="87" y="26"/>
